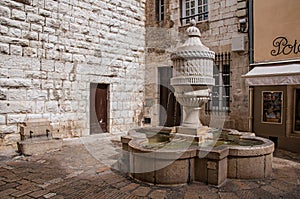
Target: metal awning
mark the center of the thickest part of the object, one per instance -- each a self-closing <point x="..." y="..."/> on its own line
<point x="274" y="75"/>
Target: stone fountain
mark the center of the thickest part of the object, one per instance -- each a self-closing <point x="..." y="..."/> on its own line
<point x="191" y="151"/>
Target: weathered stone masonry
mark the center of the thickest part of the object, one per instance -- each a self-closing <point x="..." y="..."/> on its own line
<point x="52" y="50"/>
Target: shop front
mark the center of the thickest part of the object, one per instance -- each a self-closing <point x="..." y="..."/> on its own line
<point x="275" y="104"/>
<point x="274" y="78"/>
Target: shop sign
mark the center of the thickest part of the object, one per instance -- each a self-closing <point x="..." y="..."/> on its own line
<point x="282" y="46"/>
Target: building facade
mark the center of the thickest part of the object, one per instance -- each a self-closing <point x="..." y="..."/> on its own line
<point x="275" y="76"/>
<point x="78" y="63"/>
<point x="104" y="66"/>
<point x="224" y="29"/>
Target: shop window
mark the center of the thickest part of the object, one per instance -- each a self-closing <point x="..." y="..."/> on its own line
<point x="297" y="111"/>
<point x="160" y="9"/>
<point x="194" y="9"/>
<point x="220" y="96"/>
<point x="272" y="107"/>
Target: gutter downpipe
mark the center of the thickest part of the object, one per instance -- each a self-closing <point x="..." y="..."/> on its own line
<point x="250" y="34"/>
<point x="250" y="109"/>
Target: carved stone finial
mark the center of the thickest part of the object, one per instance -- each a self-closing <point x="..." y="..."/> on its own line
<point x="193" y="22"/>
<point x="193" y="31"/>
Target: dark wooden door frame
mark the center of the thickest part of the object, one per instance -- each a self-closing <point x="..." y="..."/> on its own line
<point x="170" y="111"/>
<point x="99" y="108"/>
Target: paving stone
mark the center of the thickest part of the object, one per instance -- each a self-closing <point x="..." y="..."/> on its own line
<point x="129" y="187"/>
<point x="121" y="184"/>
<point x="23" y="181"/>
<point x="25" y="197"/>
<point x="7" y="167"/>
<point x="230" y="186"/>
<point x="102" y="169"/>
<point x="21" y="193"/>
<point x="209" y="196"/>
<point x="12" y="178"/>
<point x="272" y="190"/>
<point x="115" y="194"/>
<point x="9" y="197"/>
<point x="175" y="194"/>
<point x="260" y="193"/>
<point x="9" y="185"/>
<point x="197" y="187"/>
<point x="287" y="176"/>
<point x="38" y="193"/>
<point x="191" y="195"/>
<point x="131" y="197"/>
<point x="248" y="184"/>
<point x="226" y="195"/>
<point x="58" y="197"/>
<point x="141" y="191"/>
<point x="90" y="192"/>
<point x="246" y="194"/>
<point x="36" y="180"/>
<point x="282" y="185"/>
<point x="49" y="195"/>
<point x="2" y="183"/>
<point x="289" y="196"/>
<point x="68" y="191"/>
<point x="7" y="192"/>
<point x="96" y="180"/>
<point x="112" y="178"/>
<point x="158" y="194"/>
<point x="28" y="186"/>
<point x="245" y="184"/>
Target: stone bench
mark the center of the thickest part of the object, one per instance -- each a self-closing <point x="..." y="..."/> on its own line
<point x="36" y="137"/>
<point x="35" y="128"/>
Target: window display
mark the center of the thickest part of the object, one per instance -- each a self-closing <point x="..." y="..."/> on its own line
<point x="272" y="107"/>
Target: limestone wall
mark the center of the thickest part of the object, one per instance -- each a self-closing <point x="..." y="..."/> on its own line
<point x="217" y="34"/>
<point x="52" y="50"/>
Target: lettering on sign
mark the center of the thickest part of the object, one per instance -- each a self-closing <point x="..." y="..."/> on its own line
<point x="284" y="46"/>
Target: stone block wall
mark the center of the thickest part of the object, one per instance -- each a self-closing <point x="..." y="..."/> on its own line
<point x="217" y="34"/>
<point x="52" y="50"/>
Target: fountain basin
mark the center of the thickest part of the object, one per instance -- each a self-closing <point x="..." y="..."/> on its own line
<point x="182" y="163"/>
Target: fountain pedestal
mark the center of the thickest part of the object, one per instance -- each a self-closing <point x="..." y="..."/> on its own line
<point x="190" y="113"/>
<point x="192" y="102"/>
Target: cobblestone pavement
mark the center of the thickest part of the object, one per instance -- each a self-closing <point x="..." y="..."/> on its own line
<point x="77" y="172"/>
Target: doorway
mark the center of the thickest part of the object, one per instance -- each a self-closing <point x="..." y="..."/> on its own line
<point x="170" y="110"/>
<point x="99" y="108"/>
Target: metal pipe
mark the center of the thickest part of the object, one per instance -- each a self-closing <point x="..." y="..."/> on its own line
<point x="250" y="32"/>
<point x="250" y="35"/>
<point x="251" y="109"/>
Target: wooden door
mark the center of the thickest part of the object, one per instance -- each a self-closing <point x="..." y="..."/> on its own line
<point x="99" y="108"/>
<point x="170" y="111"/>
<point x="101" y="105"/>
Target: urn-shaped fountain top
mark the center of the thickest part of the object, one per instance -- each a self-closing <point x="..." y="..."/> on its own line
<point x="192" y="61"/>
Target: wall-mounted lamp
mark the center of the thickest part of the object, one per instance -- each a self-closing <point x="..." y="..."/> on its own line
<point x="243" y="25"/>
